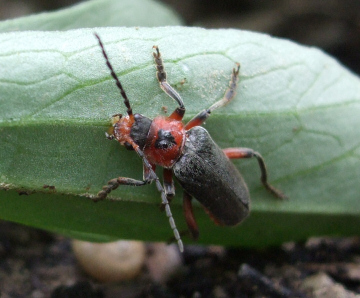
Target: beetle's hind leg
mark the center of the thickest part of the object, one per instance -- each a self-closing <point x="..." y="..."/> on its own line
<point x="189" y="216"/>
<point x="179" y="112"/>
<point x="234" y="153"/>
<point x="228" y="96"/>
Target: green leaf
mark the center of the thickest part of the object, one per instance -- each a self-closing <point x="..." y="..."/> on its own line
<point x="294" y="104"/>
<point x="97" y="13"/>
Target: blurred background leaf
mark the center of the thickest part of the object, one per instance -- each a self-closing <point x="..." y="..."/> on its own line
<point x="97" y="13"/>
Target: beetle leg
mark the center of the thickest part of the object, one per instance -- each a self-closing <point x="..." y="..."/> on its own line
<point x="114" y="184"/>
<point x="233" y="153"/>
<point x="179" y="112"/>
<point x="169" y="184"/>
<point x="229" y="95"/>
<point x="168" y="187"/>
<point x="160" y="188"/>
<point x="147" y="173"/>
<point x="151" y="176"/>
<point x="189" y="216"/>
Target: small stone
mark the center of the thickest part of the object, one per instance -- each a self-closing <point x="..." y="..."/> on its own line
<point x="163" y="261"/>
<point x="320" y="285"/>
<point x="110" y="262"/>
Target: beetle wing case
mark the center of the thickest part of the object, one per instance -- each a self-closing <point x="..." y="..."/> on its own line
<point x="208" y="175"/>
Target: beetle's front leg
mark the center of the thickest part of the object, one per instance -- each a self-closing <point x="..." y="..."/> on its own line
<point x="228" y="96"/>
<point x="234" y="153"/>
<point x="115" y="183"/>
<point x="179" y="112"/>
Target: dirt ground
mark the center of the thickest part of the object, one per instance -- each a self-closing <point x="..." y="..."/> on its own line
<point x="35" y="263"/>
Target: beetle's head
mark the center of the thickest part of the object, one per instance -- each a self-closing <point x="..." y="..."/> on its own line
<point x="134" y="126"/>
<point x="120" y="128"/>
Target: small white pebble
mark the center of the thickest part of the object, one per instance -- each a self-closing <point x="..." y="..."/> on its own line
<point x="110" y="262"/>
<point x="163" y="261"/>
<point x="320" y="285"/>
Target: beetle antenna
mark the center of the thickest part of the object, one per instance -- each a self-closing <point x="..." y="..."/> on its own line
<point x="164" y="199"/>
<point x="113" y="74"/>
